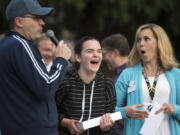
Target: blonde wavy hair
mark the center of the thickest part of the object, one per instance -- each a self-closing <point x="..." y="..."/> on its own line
<point x="166" y="53"/>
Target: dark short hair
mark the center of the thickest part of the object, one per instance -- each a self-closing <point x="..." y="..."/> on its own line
<point x="78" y="47"/>
<point x="117" y="41"/>
<point x="41" y="38"/>
<point x="11" y="24"/>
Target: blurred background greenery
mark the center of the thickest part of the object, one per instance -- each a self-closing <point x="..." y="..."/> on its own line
<point x="73" y="19"/>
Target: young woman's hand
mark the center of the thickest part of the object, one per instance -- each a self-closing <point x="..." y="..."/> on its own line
<point x="71" y="125"/>
<point x="106" y="122"/>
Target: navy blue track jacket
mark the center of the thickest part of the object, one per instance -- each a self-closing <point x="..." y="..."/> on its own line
<point x="27" y="105"/>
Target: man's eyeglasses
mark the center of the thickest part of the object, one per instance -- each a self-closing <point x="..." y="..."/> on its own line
<point x="36" y="18"/>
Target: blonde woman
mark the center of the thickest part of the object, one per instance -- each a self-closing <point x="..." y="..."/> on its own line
<point x="152" y="78"/>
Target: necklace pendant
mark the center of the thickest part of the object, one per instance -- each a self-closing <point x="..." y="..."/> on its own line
<point x="151" y="95"/>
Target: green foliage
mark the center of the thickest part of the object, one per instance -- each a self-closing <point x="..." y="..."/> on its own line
<point x="103" y="17"/>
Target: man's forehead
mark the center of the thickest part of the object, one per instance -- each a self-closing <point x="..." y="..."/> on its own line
<point x="105" y="49"/>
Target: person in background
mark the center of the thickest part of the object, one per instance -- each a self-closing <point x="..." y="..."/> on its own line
<point x="46" y="48"/>
<point x="27" y="90"/>
<point x="86" y="93"/>
<point x="2" y="36"/>
<point x="115" y="52"/>
<point x="152" y="79"/>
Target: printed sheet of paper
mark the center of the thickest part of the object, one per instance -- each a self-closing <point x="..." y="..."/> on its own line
<point x="96" y="121"/>
<point x="153" y="122"/>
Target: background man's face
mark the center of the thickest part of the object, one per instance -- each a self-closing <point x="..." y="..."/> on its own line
<point x="46" y="50"/>
<point x="108" y="58"/>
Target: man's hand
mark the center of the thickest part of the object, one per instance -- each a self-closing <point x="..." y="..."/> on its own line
<point x="62" y="50"/>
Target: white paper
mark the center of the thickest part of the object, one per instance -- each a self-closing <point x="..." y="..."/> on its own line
<point x="96" y="121"/>
<point x="153" y="122"/>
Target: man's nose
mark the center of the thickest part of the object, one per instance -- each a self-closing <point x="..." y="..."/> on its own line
<point x="41" y="22"/>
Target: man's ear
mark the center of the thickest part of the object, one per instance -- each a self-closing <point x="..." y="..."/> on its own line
<point x="18" y="22"/>
<point x="77" y="57"/>
<point x="116" y="52"/>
